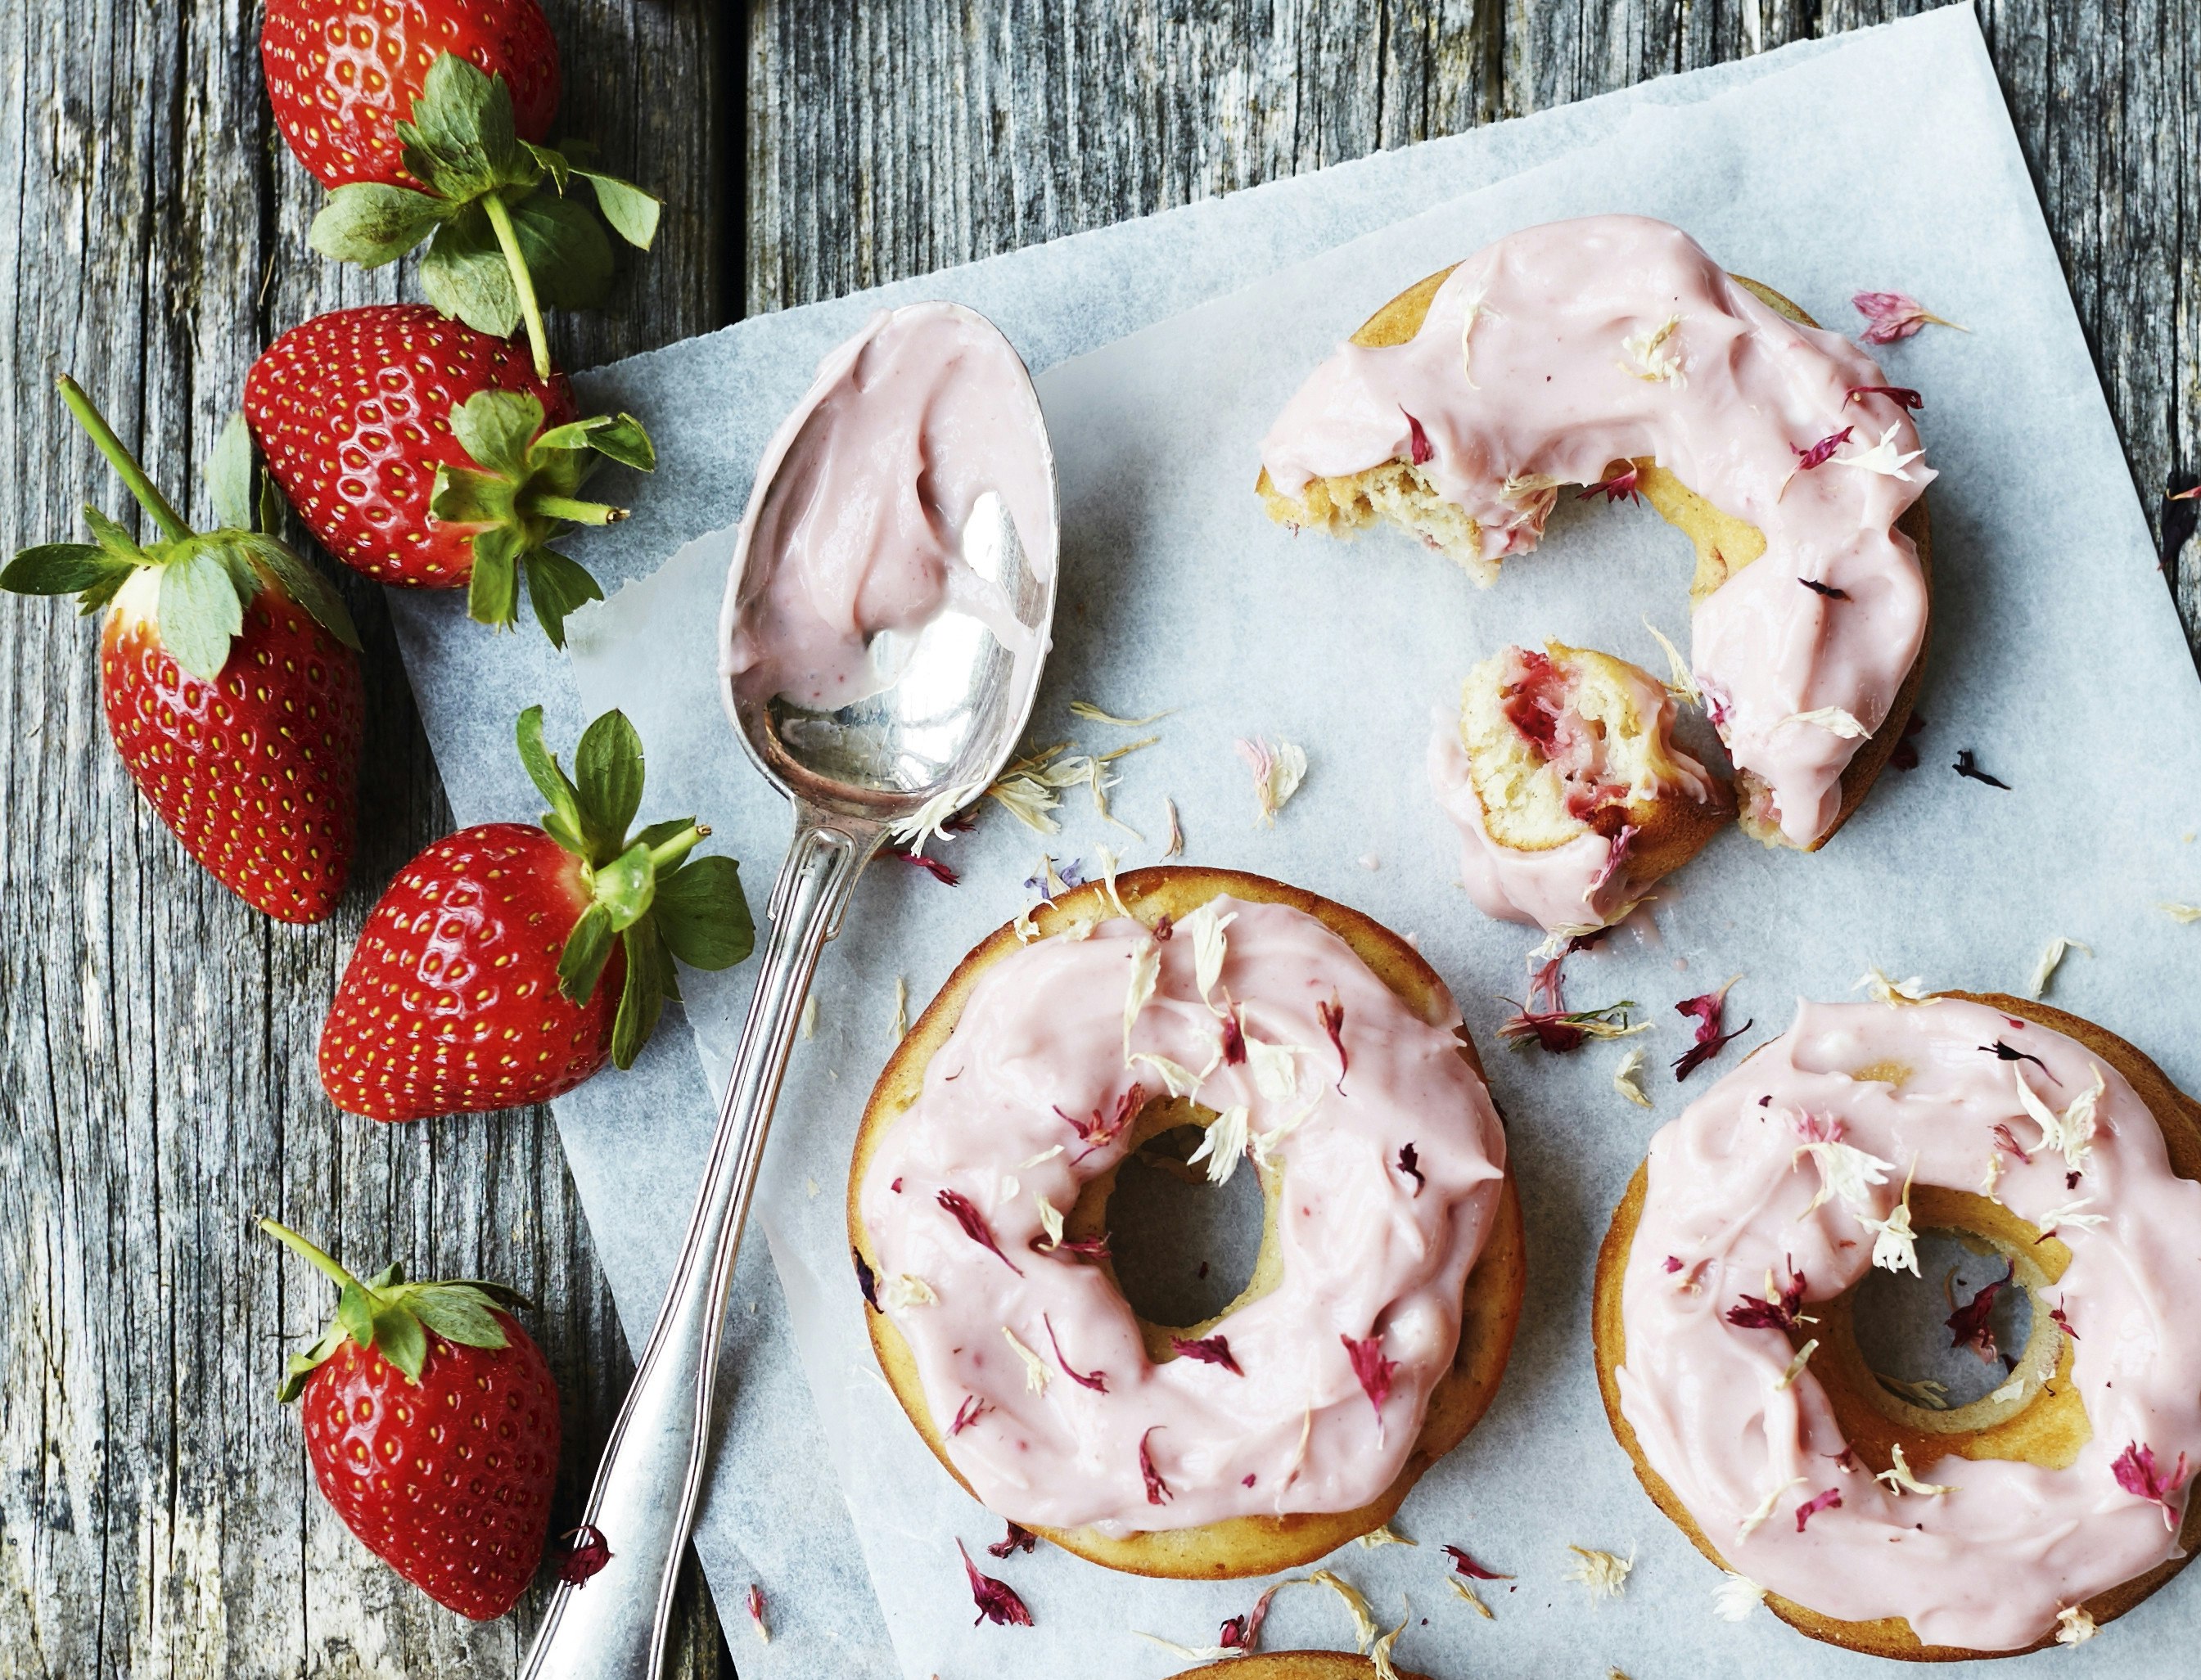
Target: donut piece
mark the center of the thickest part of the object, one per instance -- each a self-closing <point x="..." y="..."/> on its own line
<point x="1612" y="350"/>
<point x="1297" y="1665"/>
<point x="2048" y="1531"/>
<point x="1419" y="1253"/>
<point x="1570" y="796"/>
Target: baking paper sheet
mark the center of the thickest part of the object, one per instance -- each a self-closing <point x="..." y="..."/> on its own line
<point x="1178" y="593"/>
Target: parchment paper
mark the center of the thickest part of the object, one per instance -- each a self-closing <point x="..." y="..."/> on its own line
<point x="1888" y="160"/>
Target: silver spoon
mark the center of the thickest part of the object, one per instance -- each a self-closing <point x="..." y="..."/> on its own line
<point x="920" y="748"/>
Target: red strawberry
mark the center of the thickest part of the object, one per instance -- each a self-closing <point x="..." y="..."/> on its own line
<point x="416" y="449"/>
<point x="341" y="78"/>
<point x="229" y="672"/>
<point x="432" y="1424"/>
<point x="424" y="118"/>
<point x="508" y="964"/>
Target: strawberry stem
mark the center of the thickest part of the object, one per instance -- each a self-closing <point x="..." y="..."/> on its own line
<point x="565" y="507"/>
<point x="162" y="511"/>
<point x="322" y="1261"/>
<point x="665" y="856"/>
<point x="500" y="219"/>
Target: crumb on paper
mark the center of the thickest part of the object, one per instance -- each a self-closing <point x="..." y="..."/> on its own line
<point x="1278" y="769"/>
<point x="2051" y="959"/>
<point x="1605" y="1573"/>
<point x="2185" y="913"/>
<point x="1627" y="1079"/>
<point x="810" y="1017"/>
<point x="1369" y="862"/>
<point x="811" y="1187"/>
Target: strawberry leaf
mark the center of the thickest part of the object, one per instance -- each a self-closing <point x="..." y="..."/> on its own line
<point x="463" y="496"/>
<point x="493" y="591"/>
<point x="624" y="887"/>
<point x="199" y="611"/>
<point x="457" y="1313"/>
<point x="565" y="250"/>
<point x="461" y="141"/>
<point x="555" y="587"/>
<point x="370" y="223"/>
<point x="230" y="475"/>
<point x="465" y="275"/>
<point x="631" y="212"/>
<point x="402" y="1341"/>
<point x="642" y="1001"/>
<point x="64" y="569"/>
<point x="703" y="915"/>
<point x="621" y="439"/>
<point x="305" y="586"/>
<point x="355" y="1314"/>
<point x="563" y="820"/>
<point x="112" y="537"/>
<point x="607" y="767"/>
<point x="495" y="428"/>
<point x="587" y="948"/>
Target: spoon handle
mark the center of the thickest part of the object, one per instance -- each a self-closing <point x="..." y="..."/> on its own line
<point x="613" y="1626"/>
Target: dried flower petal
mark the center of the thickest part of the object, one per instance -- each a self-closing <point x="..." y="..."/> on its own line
<point x="1384" y="1535"/>
<point x="1673" y="1262"/>
<point x="1796" y="1364"/>
<point x="932" y="866"/>
<point x="1628" y="1077"/>
<point x="1461" y="1590"/>
<point x="1737" y="1596"/>
<point x="1240" y="1632"/>
<point x="1101" y="1131"/>
<point x="1331" y="1015"/>
<point x="968" y="1413"/>
<point x="755" y="1607"/>
<point x="1892" y="315"/>
<point x="1831" y="1499"/>
<point x="866" y="1279"/>
<point x="997" y="1601"/>
<point x="1652" y="356"/>
<point x="1036" y="1375"/>
<point x="1178" y="1080"/>
<point x="1364" y="1623"/>
<point x="1207" y="1349"/>
<point x="1278" y="770"/>
<point x="1158" y="1491"/>
<point x="1173" y="846"/>
<point x="586" y="1557"/>
<point x="1680" y="682"/>
<point x="1777" y="1311"/>
<point x="1233" y="1039"/>
<point x="1085" y="1379"/>
<point x="1546" y="1019"/>
<point x="904" y="1291"/>
<point x="1826" y="590"/>
<point x="1967" y="765"/>
<point x="2012" y="1053"/>
<point x="2139" y="1475"/>
<point x="1410" y="1165"/>
<point x="1822" y="452"/>
<point x="1604" y="1574"/>
<point x="1468" y="1567"/>
<point x="1901" y="395"/>
<point x="1379" y="1653"/>
<point x="1092" y="713"/>
<point x="1018" y="1539"/>
<point x="1223" y="1144"/>
<point x="1968" y="1325"/>
<point x="1628" y="483"/>
<point x="1207" y="925"/>
<point x="1146" y="975"/>
<point x="1709" y="1009"/>
<point x="966" y="1214"/>
<point x="2051" y="959"/>
<point x="1886" y="991"/>
<point x="1901" y="1481"/>
<point x="1417" y="443"/>
<point x="1894" y="1244"/>
<point x="1834" y="720"/>
<point x="1764" y="1509"/>
<point x="2063" y="1323"/>
<point x="2073" y="1626"/>
<point x="1373" y="1371"/>
<point x="2185" y="914"/>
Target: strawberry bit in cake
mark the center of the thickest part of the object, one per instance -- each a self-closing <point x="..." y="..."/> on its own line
<point x="1536" y="699"/>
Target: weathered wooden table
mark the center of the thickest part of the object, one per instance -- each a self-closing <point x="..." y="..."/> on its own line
<point x="158" y="1086"/>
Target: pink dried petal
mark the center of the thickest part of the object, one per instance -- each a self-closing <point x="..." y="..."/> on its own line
<point x="997" y="1601"/>
<point x="755" y="1604"/>
<point x="1776" y="1313"/>
<point x="1240" y="1632"/>
<point x="1373" y="1371"/>
<point x="1410" y="1164"/>
<point x="2006" y="1141"/>
<point x="2140" y="1475"/>
<point x="1080" y="1247"/>
<point x="966" y="1214"/>
<point x="1158" y="1491"/>
<point x="1831" y="1499"/>
<point x="1709" y="1009"/>
<point x="1018" y="1539"/>
<point x="2063" y="1323"/>
<point x="932" y="866"/>
<point x="866" y="1279"/>
<point x="1331" y="1015"/>
<point x="1814" y="1130"/>
<point x="1165" y="925"/>
<point x="1417" y="441"/>
<point x="1967" y="1325"/>
<point x="1673" y="1262"/>
<point x="1822" y="452"/>
<point x="1614" y="858"/>
<point x="1826" y="589"/>
<point x="1233" y="1040"/>
<point x="968" y="1413"/>
<point x="1468" y="1567"/>
<point x="1892" y="316"/>
<point x="1208" y="1350"/>
<point x="1901" y="395"/>
<point x="1628" y="483"/>
<point x="1102" y="1130"/>
<point x="586" y="1557"/>
<point x="1085" y="1379"/>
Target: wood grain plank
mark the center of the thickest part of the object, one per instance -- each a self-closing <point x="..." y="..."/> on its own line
<point x="158" y="1086"/>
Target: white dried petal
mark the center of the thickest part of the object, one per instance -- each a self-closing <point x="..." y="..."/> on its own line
<point x="1036" y="1368"/>
<point x="1833" y="719"/>
<point x="1901" y="1481"/>
<point x="1628" y="1077"/>
<point x="1737" y="1596"/>
<point x="1223" y="1144"/>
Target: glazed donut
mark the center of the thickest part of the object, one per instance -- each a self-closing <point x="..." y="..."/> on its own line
<point x="1297" y="1665"/>
<point x="1571" y="797"/>
<point x="1613" y="351"/>
<point x="1382" y="1304"/>
<point x="1987" y="1529"/>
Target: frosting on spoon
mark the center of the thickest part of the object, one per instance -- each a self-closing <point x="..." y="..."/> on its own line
<point x="854" y="528"/>
<point x="1730" y="1190"/>
<point x="1562" y="350"/>
<point x="1016" y="1114"/>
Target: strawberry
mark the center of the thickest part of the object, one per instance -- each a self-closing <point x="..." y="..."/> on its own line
<point x="432" y="1424"/>
<point x="340" y="80"/>
<point x="229" y="671"/>
<point x="426" y="119"/>
<point x="507" y="963"/>
<point x="416" y="451"/>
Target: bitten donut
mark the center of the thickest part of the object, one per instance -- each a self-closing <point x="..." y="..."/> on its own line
<point x="1571" y="797"/>
<point x="1382" y="1306"/>
<point x="1612" y="351"/>
<point x="1731" y="1370"/>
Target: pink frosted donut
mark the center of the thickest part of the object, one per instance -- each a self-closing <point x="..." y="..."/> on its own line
<point x="2018" y="1517"/>
<point x="1379" y="1152"/>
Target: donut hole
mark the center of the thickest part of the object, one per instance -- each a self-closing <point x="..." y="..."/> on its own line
<point x="1903" y="1330"/>
<point x="1184" y="1249"/>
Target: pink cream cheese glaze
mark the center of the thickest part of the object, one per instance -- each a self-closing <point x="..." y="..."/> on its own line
<point x="855" y="526"/>
<point x="1562" y="349"/>
<point x="1366" y="1250"/>
<point x="1586" y="883"/>
<point x="1989" y="1566"/>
